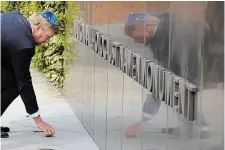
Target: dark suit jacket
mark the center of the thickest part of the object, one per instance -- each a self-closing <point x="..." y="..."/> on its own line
<point x="17" y="49"/>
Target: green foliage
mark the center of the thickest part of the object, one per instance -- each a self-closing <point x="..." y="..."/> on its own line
<point x="72" y="11"/>
<point x="52" y="58"/>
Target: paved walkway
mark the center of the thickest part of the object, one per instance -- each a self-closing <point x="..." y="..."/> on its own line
<point x="70" y="134"/>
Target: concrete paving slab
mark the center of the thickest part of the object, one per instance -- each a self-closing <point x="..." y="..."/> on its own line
<point x="70" y="134"/>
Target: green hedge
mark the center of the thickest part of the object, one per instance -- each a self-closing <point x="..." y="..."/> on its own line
<point x="52" y="58"/>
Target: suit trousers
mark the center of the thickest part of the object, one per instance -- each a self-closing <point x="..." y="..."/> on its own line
<point x="9" y="90"/>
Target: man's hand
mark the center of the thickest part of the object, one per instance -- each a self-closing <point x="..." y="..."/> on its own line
<point x="45" y="127"/>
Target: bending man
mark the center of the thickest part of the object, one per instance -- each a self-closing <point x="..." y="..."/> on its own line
<point x="19" y="37"/>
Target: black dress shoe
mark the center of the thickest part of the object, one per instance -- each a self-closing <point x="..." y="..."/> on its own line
<point x="5" y="129"/>
<point x="4" y="135"/>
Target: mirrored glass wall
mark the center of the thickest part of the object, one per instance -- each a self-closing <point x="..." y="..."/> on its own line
<point x="149" y="75"/>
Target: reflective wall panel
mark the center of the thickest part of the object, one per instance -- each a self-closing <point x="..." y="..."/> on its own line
<point x="212" y="125"/>
<point x="150" y="75"/>
<point x="88" y="71"/>
<point x="115" y="81"/>
<point x="101" y="73"/>
<point x="74" y="82"/>
<point x="154" y="110"/>
<point x="186" y="37"/>
<point x="131" y="105"/>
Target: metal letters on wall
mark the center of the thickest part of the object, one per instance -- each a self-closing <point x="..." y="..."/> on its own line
<point x="175" y="91"/>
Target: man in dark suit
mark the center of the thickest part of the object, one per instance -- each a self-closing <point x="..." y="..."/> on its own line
<point x="18" y="39"/>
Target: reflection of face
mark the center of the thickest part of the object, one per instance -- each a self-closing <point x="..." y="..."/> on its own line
<point x="43" y="35"/>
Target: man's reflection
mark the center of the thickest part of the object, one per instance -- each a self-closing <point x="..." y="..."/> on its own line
<point x="213" y="54"/>
<point x="150" y="109"/>
<point x="214" y="43"/>
<point x="160" y="43"/>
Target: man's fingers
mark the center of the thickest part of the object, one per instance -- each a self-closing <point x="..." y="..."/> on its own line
<point x="50" y="133"/>
<point x="46" y="132"/>
<point x="53" y="130"/>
